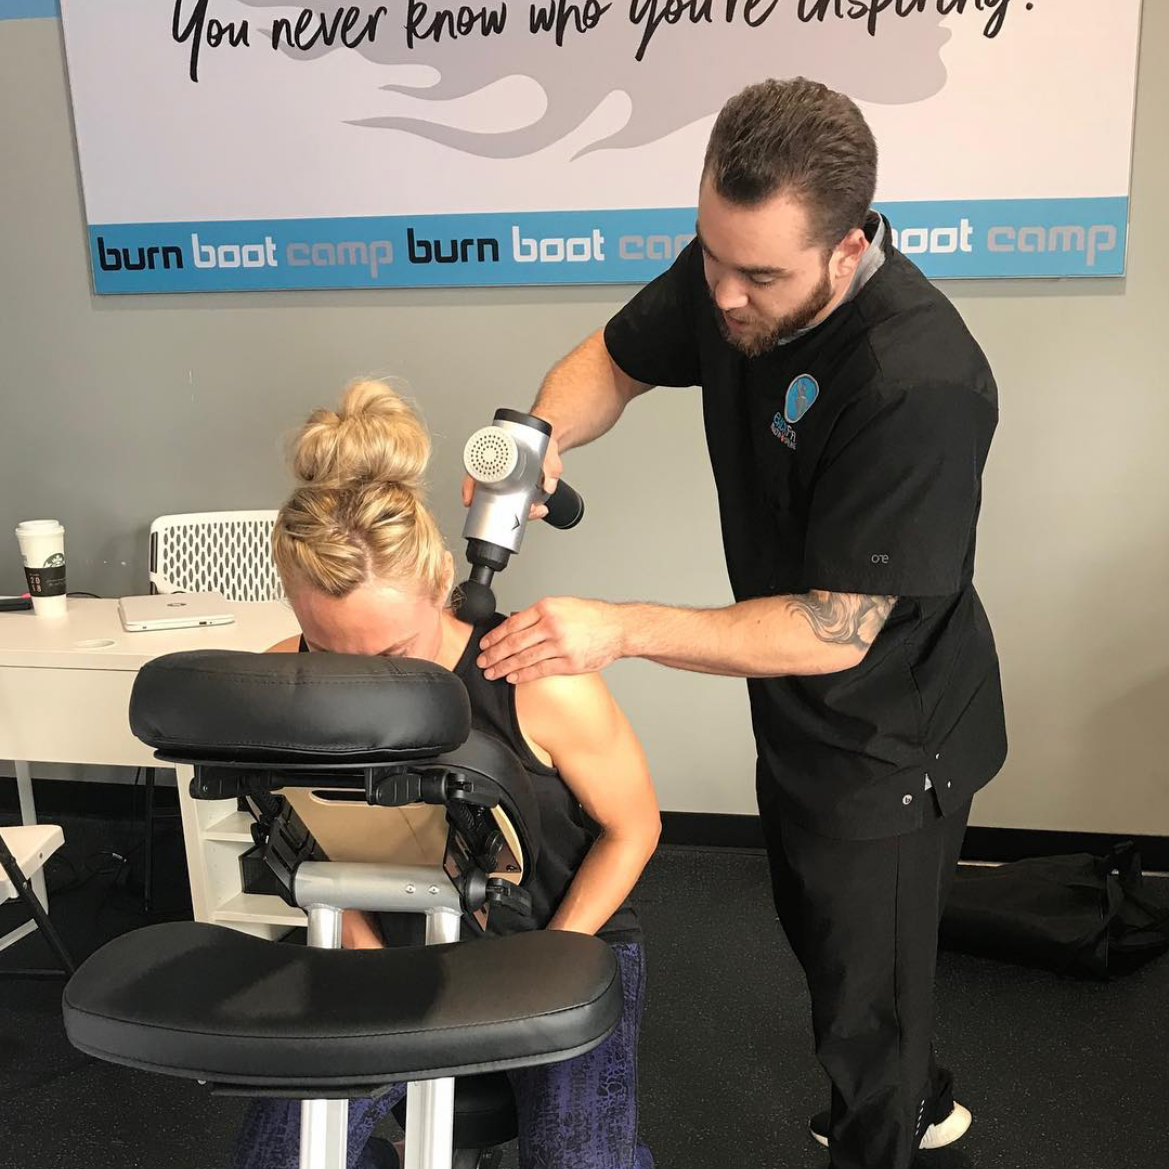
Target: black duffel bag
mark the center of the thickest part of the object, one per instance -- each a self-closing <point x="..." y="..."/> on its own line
<point x="1083" y="915"/>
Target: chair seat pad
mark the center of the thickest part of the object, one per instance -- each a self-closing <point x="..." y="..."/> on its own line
<point x="206" y="1002"/>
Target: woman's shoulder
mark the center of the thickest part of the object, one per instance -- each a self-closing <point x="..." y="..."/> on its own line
<point x="565" y="690"/>
<point x="565" y="711"/>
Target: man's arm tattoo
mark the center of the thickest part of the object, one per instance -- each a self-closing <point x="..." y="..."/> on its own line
<point x="843" y="618"/>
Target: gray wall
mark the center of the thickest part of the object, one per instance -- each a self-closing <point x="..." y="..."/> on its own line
<point x="117" y="410"/>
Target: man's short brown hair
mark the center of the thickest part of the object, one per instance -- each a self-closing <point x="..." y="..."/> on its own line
<point x="801" y="138"/>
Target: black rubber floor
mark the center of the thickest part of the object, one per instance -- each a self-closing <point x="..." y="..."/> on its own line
<point x="1059" y="1073"/>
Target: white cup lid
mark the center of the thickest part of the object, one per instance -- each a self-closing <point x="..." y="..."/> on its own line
<point x="38" y="528"/>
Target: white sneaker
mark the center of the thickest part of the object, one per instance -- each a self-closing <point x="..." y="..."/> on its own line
<point x="946" y="1132"/>
<point x="937" y="1136"/>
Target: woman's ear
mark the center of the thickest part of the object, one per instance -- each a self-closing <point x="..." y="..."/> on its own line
<point x="448" y="577"/>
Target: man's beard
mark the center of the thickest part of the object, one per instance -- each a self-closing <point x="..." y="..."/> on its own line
<point x="785" y="328"/>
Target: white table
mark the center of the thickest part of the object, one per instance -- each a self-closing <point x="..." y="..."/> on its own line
<point x="64" y="698"/>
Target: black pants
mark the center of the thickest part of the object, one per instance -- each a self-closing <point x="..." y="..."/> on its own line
<point x="862" y="918"/>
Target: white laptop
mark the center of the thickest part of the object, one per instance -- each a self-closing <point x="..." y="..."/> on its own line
<point x="173" y="611"/>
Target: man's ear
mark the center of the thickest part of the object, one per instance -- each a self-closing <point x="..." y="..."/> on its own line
<point x="847" y="255"/>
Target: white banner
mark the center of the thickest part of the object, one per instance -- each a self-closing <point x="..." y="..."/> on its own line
<point x="249" y="144"/>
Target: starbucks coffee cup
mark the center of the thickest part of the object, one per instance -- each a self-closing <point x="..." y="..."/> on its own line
<point x="42" y="547"/>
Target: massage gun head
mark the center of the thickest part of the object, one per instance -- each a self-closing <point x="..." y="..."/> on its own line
<point x="475" y="602"/>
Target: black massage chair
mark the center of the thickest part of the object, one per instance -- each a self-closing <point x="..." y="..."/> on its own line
<point x="352" y="737"/>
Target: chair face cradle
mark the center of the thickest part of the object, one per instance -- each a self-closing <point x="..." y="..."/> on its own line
<point x="392" y="804"/>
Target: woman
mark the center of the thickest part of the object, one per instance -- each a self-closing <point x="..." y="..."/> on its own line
<point x="366" y="572"/>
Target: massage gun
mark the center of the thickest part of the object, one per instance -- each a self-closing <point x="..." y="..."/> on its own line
<point x="506" y="460"/>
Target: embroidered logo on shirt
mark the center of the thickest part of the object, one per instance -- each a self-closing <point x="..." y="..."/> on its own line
<point x="803" y="391"/>
<point x="785" y="433"/>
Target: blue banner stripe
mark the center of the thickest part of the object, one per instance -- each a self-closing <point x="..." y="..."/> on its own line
<point x="953" y="239"/>
<point x="28" y="9"/>
<point x="963" y="239"/>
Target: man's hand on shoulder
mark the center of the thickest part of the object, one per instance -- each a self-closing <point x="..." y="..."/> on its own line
<point x="558" y="635"/>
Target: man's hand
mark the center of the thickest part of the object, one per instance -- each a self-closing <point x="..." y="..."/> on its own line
<point x="558" y="635"/>
<point x="553" y="469"/>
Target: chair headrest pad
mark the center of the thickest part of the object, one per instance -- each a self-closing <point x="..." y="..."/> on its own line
<point x="222" y="705"/>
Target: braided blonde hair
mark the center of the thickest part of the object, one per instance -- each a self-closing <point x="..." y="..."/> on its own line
<point x="359" y="511"/>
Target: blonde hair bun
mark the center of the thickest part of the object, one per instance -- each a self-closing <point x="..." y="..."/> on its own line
<point x="374" y="436"/>
<point x="358" y="513"/>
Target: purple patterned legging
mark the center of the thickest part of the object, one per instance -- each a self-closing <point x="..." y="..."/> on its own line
<point x="578" y="1114"/>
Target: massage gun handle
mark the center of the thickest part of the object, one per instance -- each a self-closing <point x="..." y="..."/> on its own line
<point x="565" y="507"/>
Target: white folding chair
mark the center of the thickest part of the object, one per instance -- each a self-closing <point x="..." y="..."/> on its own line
<point x="228" y="552"/>
<point x="23" y="853"/>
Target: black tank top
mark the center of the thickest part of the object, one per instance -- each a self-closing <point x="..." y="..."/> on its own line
<point x="566" y="830"/>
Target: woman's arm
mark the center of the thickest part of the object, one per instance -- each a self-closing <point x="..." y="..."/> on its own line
<point x="576" y="722"/>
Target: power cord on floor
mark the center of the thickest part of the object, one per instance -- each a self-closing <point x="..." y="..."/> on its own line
<point x="113" y="867"/>
<point x="120" y="856"/>
<point x="81" y="877"/>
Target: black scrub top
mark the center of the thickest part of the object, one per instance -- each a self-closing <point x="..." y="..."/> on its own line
<point x="850" y="460"/>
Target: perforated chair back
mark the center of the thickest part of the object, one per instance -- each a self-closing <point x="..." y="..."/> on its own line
<point x="229" y="552"/>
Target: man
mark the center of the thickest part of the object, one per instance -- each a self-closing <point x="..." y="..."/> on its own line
<point x="848" y="415"/>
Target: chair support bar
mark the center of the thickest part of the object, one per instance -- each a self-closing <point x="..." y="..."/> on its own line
<point x="320" y="888"/>
<point x="377" y="888"/>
